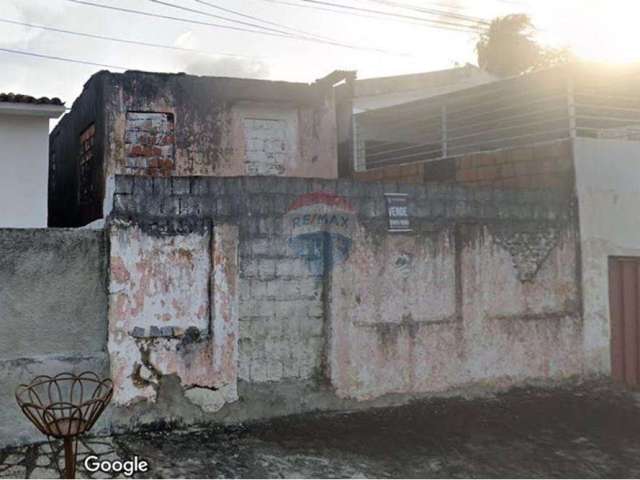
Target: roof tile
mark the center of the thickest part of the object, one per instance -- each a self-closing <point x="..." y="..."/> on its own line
<point x="19" y="98"/>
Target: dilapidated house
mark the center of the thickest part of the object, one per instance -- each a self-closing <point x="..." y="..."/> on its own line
<point x="221" y="299"/>
<point x="169" y="125"/>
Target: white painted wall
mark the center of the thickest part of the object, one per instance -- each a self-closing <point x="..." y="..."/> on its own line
<point x="267" y="137"/>
<point x="608" y="188"/>
<point x="24" y="160"/>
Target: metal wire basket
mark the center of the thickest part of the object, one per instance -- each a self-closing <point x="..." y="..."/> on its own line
<point x="64" y="407"/>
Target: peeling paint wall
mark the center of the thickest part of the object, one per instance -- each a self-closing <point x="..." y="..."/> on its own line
<point x="417" y="313"/>
<point x="483" y="291"/>
<point x="233" y="299"/>
<point x="608" y="189"/>
<point x="217" y="133"/>
<point x="173" y="312"/>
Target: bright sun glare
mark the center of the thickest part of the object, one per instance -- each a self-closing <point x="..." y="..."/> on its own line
<point x="605" y="31"/>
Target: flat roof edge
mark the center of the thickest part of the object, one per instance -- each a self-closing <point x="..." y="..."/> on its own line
<point x="29" y="109"/>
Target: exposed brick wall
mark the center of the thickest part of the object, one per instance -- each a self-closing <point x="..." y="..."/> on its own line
<point x="541" y="166"/>
<point x="411" y="173"/>
<point x="281" y="309"/>
<point x="548" y="165"/>
<point x="150" y="143"/>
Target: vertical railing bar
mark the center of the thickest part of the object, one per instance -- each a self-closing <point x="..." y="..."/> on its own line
<point x="443" y="126"/>
<point x="571" y="105"/>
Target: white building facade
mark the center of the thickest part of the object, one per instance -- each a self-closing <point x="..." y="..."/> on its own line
<point x="24" y="156"/>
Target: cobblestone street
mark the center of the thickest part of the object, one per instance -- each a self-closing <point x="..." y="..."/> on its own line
<point x="586" y="431"/>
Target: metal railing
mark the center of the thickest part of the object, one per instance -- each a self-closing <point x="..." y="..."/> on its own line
<point x="547" y="106"/>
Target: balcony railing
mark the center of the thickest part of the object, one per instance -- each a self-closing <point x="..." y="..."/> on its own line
<point x="576" y="101"/>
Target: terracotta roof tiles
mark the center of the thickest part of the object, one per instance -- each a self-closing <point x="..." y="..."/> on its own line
<point x="18" y="98"/>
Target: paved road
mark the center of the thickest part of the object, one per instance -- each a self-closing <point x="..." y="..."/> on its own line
<point x="587" y="431"/>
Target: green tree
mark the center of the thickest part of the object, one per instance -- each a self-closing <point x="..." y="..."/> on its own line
<point x="508" y="48"/>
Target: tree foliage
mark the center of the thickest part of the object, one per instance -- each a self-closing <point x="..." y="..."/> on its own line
<point x="508" y="48"/>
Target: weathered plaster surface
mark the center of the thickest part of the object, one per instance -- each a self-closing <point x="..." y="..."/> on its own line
<point x="517" y="328"/>
<point x="393" y="315"/>
<point x="162" y="286"/>
<point x="53" y="313"/>
<point x="608" y="188"/>
<point x="420" y="313"/>
<point x="217" y="131"/>
<point x="337" y="312"/>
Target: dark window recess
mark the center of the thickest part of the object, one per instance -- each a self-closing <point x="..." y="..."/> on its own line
<point x="53" y="165"/>
<point x="88" y="167"/>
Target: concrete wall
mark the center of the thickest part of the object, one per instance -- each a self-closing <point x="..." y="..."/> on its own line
<point x="608" y="188"/>
<point x="24" y="160"/>
<point x="336" y="312"/>
<point x="53" y="309"/>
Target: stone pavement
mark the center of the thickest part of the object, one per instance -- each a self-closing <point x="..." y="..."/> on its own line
<point x="592" y="430"/>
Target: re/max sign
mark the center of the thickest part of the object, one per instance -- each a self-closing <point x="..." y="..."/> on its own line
<point x="338" y="220"/>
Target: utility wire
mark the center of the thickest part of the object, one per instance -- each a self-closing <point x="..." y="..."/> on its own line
<point x="432" y="11"/>
<point x="251" y="17"/>
<point x="178" y="19"/>
<point x="60" y="59"/>
<point x="305" y="36"/>
<point x="215" y="25"/>
<point x="385" y="13"/>
<point x="220" y="17"/>
<point x="127" y="41"/>
<point x="422" y="23"/>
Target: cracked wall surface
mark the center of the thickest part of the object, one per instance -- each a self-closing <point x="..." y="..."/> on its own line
<point x="235" y="299"/>
<point x="173" y="311"/>
<point x="476" y="293"/>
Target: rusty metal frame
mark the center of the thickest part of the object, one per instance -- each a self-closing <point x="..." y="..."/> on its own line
<point x="65" y="406"/>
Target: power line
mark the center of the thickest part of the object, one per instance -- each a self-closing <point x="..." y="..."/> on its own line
<point x="385" y="15"/>
<point x="127" y="41"/>
<point x="61" y="59"/>
<point x="215" y="25"/>
<point x="389" y="14"/>
<point x="364" y="15"/>
<point x="296" y="36"/>
<point x="240" y="14"/>
<point x="219" y="17"/>
<point x="178" y="19"/>
<point x="432" y="11"/>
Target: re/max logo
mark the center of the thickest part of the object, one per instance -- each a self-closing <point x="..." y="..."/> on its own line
<point x="321" y="219"/>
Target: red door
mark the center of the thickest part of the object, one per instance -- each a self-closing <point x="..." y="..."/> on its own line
<point x="624" y="296"/>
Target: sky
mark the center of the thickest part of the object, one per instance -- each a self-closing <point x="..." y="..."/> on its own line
<point x="595" y="29"/>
